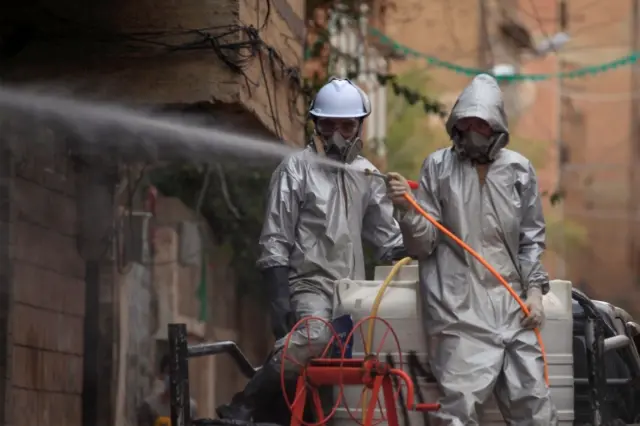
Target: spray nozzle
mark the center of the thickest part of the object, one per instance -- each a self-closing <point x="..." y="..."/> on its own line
<point x="368" y="172"/>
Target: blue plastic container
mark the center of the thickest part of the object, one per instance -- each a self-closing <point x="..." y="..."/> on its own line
<point x="343" y="326"/>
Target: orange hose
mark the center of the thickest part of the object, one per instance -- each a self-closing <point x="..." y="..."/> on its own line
<point x="490" y="268"/>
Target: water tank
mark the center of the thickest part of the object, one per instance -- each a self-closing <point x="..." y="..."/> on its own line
<point x="400" y="306"/>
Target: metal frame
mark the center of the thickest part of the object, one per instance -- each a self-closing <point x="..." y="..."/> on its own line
<point x="180" y="351"/>
<point x="369" y="372"/>
<point x="596" y="330"/>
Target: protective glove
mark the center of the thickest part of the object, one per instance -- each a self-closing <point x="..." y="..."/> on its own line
<point x="396" y="253"/>
<point x="397" y="187"/>
<point x="536" y="309"/>
<point x="277" y="282"/>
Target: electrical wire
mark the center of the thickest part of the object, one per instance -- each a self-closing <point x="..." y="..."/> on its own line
<point x="235" y="55"/>
<point x="266" y="16"/>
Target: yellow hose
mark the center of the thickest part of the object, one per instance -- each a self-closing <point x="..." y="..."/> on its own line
<point x="374" y="313"/>
<point x="378" y="300"/>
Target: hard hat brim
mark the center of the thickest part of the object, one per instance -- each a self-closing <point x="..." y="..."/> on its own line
<point x="322" y="115"/>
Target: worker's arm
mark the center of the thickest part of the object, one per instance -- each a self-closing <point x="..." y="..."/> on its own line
<point x="380" y="229"/>
<point x="532" y="236"/>
<point x="420" y="236"/>
<point x="281" y="215"/>
<point x="278" y="238"/>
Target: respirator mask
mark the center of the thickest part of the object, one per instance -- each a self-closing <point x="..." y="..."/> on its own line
<point x="341" y="137"/>
<point x="477" y="147"/>
<point x="338" y="111"/>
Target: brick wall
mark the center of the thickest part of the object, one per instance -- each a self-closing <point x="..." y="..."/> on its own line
<point x="596" y="133"/>
<point x="48" y="289"/>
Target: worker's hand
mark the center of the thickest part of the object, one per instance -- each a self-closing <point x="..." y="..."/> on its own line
<point x="536" y="309"/>
<point x="282" y="319"/>
<point x="397" y="187"/>
<point x="277" y="281"/>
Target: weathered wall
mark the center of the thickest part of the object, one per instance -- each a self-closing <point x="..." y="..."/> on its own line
<point x="41" y="269"/>
<point x="214" y="380"/>
<point x="276" y="102"/>
<point x="48" y="290"/>
<point x="145" y="73"/>
<point x="448" y="30"/>
<point x="137" y="365"/>
<point x="596" y="132"/>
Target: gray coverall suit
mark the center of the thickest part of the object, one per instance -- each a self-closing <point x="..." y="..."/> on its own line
<point x="315" y="221"/>
<point x="477" y="345"/>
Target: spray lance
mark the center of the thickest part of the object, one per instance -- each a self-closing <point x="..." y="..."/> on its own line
<point x="368" y="172"/>
<point x="414" y="185"/>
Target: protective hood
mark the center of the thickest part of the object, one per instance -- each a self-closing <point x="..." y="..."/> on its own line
<point x="482" y="98"/>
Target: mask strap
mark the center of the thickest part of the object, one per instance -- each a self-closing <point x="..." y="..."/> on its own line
<point x="498" y="143"/>
<point x="352" y="150"/>
<point x="318" y="144"/>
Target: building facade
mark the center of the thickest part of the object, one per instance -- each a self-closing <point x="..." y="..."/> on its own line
<point x="79" y="320"/>
<point x="588" y="119"/>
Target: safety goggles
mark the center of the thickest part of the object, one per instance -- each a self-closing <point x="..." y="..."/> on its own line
<point x="473" y="124"/>
<point x="346" y="126"/>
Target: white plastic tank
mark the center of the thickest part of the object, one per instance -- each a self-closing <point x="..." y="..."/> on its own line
<point x="400" y="306"/>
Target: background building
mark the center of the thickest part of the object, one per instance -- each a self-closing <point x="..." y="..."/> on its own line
<point x="587" y="118"/>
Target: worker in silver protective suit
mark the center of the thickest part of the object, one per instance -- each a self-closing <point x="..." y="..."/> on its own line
<point x="316" y="218"/>
<point x="487" y="195"/>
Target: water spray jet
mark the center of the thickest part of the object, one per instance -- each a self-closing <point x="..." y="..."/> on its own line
<point x="111" y="124"/>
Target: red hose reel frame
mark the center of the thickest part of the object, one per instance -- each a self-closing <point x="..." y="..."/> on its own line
<point x="369" y="372"/>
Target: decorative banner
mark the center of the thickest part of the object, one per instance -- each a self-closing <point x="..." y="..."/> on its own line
<point x="577" y="73"/>
<point x="430" y="106"/>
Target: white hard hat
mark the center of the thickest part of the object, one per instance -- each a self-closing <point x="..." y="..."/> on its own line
<point x="340" y="98"/>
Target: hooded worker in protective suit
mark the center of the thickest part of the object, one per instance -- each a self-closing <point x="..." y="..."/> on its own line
<point x="316" y="218"/>
<point x="486" y="195"/>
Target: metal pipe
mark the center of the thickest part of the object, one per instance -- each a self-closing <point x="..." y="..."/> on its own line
<point x="634" y="141"/>
<point x="560" y="143"/>
<point x="226" y="347"/>
<point x="615" y="342"/>
<point x="179" y="375"/>
<point x="368" y="172"/>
